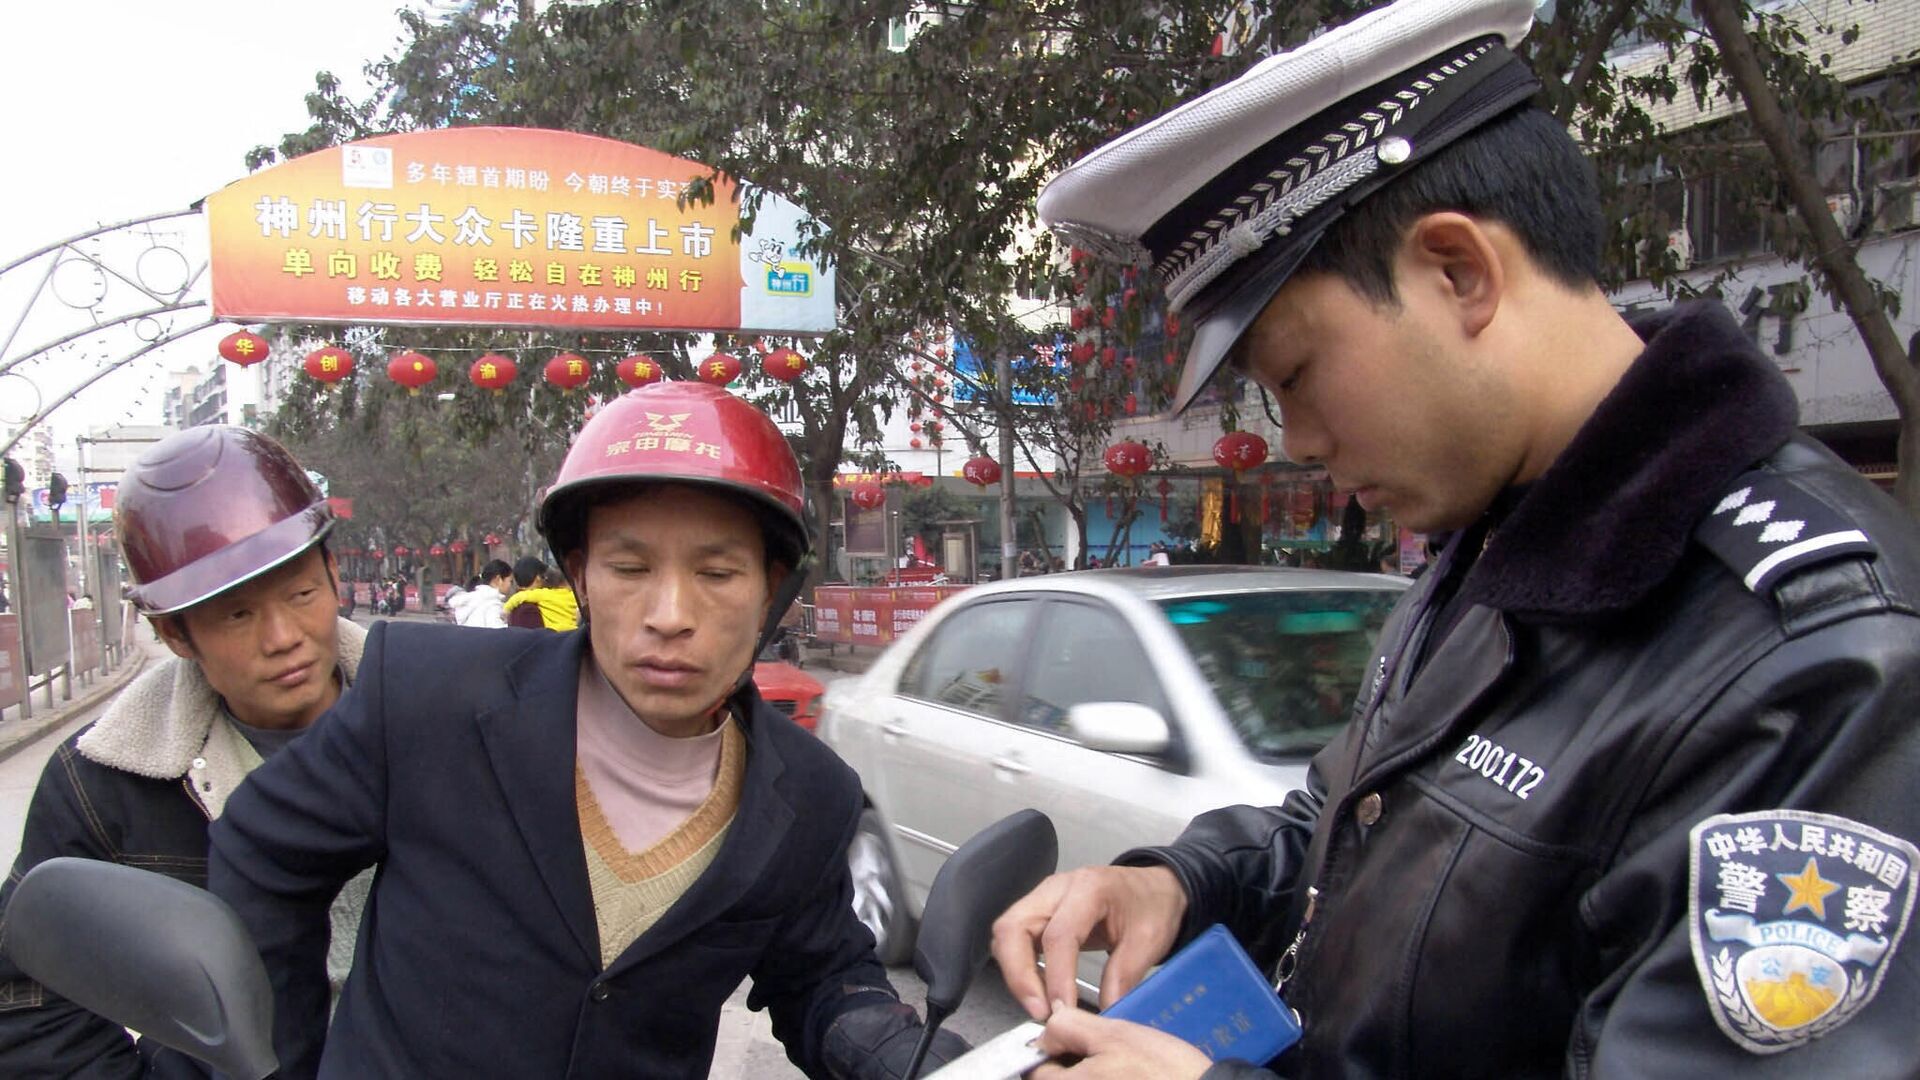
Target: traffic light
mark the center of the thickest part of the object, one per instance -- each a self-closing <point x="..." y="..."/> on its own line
<point x="16" y="481"/>
<point x="56" y="491"/>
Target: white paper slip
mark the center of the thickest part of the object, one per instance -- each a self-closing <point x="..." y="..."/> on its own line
<point x="1004" y="1057"/>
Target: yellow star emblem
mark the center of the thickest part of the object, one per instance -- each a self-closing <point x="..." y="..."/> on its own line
<point x="1810" y="890"/>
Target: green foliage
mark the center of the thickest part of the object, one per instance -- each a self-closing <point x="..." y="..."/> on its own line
<point x="924" y="509"/>
<point x="921" y="167"/>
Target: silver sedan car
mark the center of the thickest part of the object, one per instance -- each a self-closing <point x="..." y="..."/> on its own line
<point x="1120" y="703"/>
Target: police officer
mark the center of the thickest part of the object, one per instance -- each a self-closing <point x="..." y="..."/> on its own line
<point x="586" y="839"/>
<point x="225" y="537"/>
<point x="1630" y="792"/>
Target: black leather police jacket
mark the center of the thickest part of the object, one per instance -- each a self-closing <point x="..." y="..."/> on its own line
<point x="1536" y="922"/>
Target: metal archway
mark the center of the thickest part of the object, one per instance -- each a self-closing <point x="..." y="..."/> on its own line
<point x="81" y="280"/>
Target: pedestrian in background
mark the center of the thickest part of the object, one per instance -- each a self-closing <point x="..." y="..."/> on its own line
<point x="483" y="605"/>
<point x="543" y="597"/>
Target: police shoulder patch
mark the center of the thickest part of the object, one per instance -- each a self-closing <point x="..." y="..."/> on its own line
<point x="1794" y="918"/>
<point x="1767" y="526"/>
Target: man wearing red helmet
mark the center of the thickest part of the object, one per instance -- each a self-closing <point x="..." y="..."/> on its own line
<point x="225" y="537"/>
<point x="588" y="839"/>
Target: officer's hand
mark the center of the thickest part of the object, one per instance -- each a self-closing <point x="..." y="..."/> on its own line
<point x="1115" y="1048"/>
<point x="1133" y="912"/>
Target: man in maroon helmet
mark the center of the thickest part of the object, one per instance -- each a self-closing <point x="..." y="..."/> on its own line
<point x="226" y="539"/>
<point x="587" y="839"/>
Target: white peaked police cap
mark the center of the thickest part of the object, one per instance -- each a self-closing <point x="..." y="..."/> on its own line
<point x="1225" y="195"/>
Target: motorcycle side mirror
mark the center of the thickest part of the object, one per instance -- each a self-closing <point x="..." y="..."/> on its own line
<point x="150" y="953"/>
<point x="999" y="865"/>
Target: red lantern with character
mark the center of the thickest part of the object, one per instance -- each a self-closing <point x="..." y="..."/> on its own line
<point x="638" y="371"/>
<point x="493" y="372"/>
<point x="329" y="365"/>
<point x="719" y="369"/>
<point x="567" y="371"/>
<point x="243" y="347"/>
<point x="1236" y="452"/>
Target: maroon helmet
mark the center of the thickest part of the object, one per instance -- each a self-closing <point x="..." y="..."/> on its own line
<point x="684" y="433"/>
<point x="209" y="508"/>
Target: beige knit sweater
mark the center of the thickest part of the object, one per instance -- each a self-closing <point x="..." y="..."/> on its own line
<point x="631" y="890"/>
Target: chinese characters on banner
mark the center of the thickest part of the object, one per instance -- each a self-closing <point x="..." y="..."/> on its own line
<point x="507" y="226"/>
<point x="857" y="616"/>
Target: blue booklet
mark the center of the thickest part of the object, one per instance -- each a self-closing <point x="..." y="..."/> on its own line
<point x="1211" y="995"/>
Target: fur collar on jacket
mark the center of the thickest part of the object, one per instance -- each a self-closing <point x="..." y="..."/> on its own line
<point x="1609" y="520"/>
<point x="160" y="723"/>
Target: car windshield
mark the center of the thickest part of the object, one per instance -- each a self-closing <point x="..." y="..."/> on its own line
<point x="1285" y="665"/>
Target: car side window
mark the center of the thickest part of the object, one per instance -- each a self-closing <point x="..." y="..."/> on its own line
<point x="1085" y="652"/>
<point x="972" y="657"/>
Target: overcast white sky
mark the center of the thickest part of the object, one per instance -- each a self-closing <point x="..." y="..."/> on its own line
<point x="115" y="109"/>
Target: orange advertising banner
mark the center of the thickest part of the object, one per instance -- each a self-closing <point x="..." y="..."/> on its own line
<point x="508" y="227"/>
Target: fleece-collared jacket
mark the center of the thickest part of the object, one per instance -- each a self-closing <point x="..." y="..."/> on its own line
<point x="1648" y="808"/>
<point x="137" y="787"/>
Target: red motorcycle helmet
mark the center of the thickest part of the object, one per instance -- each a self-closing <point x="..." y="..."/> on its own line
<point x="683" y="433"/>
<point x="209" y="508"/>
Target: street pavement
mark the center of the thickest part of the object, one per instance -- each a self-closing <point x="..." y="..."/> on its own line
<point x="746" y="1049"/>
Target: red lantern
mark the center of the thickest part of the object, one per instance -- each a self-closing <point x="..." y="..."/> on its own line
<point x="1128" y="459"/>
<point x="412" y="370"/>
<point x="913" y="444"/>
<point x="868" y="496"/>
<point x="638" y="371"/>
<point x="1237" y="451"/>
<point x="567" y="371"/>
<point x="981" y="471"/>
<point x="399" y="551"/>
<point x="436" y="550"/>
<point x="458" y="547"/>
<point x="493" y="372"/>
<point x="490" y="539"/>
<point x="243" y="347"/>
<point x="377" y="554"/>
<point x="329" y="365"/>
<point x="1165" y="488"/>
<point x="719" y="369"/>
<point x="784" y="365"/>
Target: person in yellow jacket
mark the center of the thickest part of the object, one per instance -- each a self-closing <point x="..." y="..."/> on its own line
<point x="545" y="588"/>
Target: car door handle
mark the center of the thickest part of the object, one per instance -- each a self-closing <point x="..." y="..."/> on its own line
<point x="893" y="729"/>
<point x="1010" y="764"/>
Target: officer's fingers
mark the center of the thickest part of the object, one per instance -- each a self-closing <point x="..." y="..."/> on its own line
<point x="1074" y="1031"/>
<point x="1014" y="934"/>
<point x="1128" y="964"/>
<point x="1117" y="1049"/>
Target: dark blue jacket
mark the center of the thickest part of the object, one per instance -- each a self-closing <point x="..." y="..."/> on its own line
<point x="450" y="764"/>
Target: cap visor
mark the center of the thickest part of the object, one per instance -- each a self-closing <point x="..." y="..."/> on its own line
<point x="1221" y="323"/>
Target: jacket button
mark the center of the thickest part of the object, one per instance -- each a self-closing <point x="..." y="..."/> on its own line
<point x="199" y="763"/>
<point x="599" y="992"/>
<point x="1368" y="812"/>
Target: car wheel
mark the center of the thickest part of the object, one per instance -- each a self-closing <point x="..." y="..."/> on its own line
<point x="879" y="894"/>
